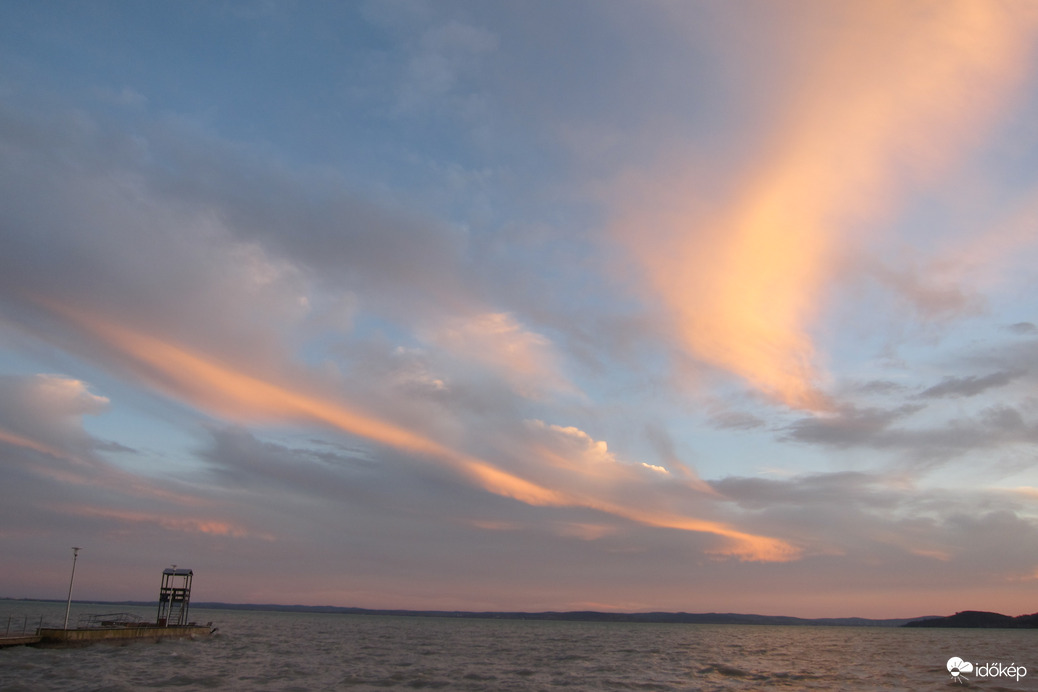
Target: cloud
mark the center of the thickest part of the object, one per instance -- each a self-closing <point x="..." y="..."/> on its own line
<point x="736" y="420"/>
<point x="891" y="102"/>
<point x="584" y="473"/>
<point x="809" y="489"/>
<point x="177" y="215"/>
<point x="1023" y="328"/>
<point x="595" y="478"/>
<point x="193" y="279"/>
<point x="238" y="395"/>
<point x="987" y="420"/>
<point x="850" y="427"/>
<point x="171" y="521"/>
<point x="238" y="460"/>
<point x="969" y="386"/>
<point x="663" y="444"/>
<point x="870" y="517"/>
<point x="1026" y="491"/>
<point x="576" y="449"/>
<point x="993" y="427"/>
<point x="496" y="340"/>
<point x="931" y="296"/>
<point x="44" y="413"/>
<point x="880" y="387"/>
<point x="54" y="468"/>
<point x="125" y="97"/>
<point x="1000" y="254"/>
<point x="444" y="56"/>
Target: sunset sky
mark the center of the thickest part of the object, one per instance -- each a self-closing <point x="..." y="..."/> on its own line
<point x="522" y="305"/>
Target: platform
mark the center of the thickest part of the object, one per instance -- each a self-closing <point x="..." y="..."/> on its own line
<point x="20" y="640"/>
<point x="89" y="635"/>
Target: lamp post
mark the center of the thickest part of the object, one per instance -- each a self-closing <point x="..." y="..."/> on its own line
<point x="68" y="606"/>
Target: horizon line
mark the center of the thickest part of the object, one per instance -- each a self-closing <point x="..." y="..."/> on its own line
<point x="479" y="614"/>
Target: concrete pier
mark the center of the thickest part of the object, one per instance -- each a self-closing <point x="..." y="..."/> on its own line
<point x="55" y="636"/>
<point x="20" y="640"/>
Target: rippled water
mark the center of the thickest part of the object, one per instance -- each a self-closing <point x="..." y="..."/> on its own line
<point x="296" y="651"/>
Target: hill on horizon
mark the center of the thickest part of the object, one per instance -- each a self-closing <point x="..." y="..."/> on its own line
<point x="979" y="619"/>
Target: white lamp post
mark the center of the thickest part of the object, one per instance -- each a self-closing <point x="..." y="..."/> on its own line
<point x="68" y="606"/>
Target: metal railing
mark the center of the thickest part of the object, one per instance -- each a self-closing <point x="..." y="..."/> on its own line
<point x="13" y="625"/>
<point x="22" y="626"/>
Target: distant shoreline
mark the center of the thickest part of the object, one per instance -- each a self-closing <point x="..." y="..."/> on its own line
<point x="963" y="619"/>
<point x="565" y="616"/>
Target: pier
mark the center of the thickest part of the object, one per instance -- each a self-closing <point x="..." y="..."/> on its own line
<point x="171" y="621"/>
<point x="18" y="633"/>
<point x="119" y="634"/>
<point x="20" y="640"/>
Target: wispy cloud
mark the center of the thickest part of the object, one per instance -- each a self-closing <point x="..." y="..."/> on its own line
<point x="589" y="478"/>
<point x="496" y="340"/>
<point x="889" y="104"/>
<point x="969" y="386"/>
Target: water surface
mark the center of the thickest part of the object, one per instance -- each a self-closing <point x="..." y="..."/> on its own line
<point x="256" y="650"/>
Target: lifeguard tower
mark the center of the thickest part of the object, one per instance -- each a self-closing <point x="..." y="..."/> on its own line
<point x="174" y="597"/>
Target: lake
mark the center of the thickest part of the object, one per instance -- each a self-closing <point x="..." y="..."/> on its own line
<point x="256" y="650"/>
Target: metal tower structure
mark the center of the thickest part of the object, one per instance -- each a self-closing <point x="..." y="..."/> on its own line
<point x="174" y="597"/>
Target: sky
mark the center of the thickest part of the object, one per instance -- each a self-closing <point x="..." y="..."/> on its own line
<point x="620" y="306"/>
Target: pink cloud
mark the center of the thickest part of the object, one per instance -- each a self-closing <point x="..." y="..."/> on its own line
<point x="497" y="341"/>
<point x="883" y="98"/>
<point x="588" y="475"/>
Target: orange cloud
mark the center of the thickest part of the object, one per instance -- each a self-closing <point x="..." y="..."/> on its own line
<point x="211" y="527"/>
<point x="219" y="387"/>
<point x="886" y="96"/>
<point x="1027" y="491"/>
<point x="234" y="394"/>
<point x="582" y="463"/>
<point x="738" y="544"/>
